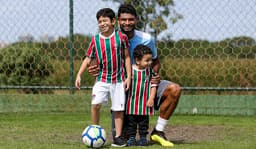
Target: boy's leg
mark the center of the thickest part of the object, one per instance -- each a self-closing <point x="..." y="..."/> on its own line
<point x="124" y="128"/>
<point x="143" y="129"/>
<point x="132" y="125"/>
<point x="118" y="141"/>
<point x="99" y="95"/>
<point x="131" y="129"/>
<point x="125" y="125"/>
<point x="119" y="115"/>
<point x="143" y="121"/>
<point x="95" y="114"/>
<point x="117" y="94"/>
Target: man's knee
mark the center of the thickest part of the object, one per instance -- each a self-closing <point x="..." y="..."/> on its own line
<point x="174" y="91"/>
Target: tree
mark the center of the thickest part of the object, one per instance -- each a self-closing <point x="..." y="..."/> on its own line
<point x="154" y="15"/>
<point x="24" y="66"/>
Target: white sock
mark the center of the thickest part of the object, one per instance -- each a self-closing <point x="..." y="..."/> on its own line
<point x="161" y="123"/>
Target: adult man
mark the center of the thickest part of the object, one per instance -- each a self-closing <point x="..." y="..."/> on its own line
<point x="168" y="93"/>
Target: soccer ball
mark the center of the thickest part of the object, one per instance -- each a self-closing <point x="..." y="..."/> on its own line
<point x="94" y="136"/>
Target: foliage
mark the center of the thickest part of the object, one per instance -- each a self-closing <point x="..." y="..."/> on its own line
<point x="25" y="65"/>
<point x="61" y="75"/>
<point x="60" y="48"/>
<point x="237" y="47"/>
<point x="157" y="13"/>
<point x="210" y="73"/>
<point x="227" y="63"/>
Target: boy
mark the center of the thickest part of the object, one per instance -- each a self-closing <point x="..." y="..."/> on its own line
<point x="110" y="48"/>
<point x="141" y="95"/>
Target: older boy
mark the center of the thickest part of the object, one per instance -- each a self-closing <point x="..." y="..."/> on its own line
<point x="110" y="48"/>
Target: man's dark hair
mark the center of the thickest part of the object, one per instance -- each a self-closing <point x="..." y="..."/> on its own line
<point x="127" y="8"/>
<point x="141" y="50"/>
<point x="105" y="12"/>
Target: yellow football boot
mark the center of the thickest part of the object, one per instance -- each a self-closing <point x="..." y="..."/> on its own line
<point x="159" y="136"/>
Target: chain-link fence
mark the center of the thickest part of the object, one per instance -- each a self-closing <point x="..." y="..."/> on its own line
<point x="206" y="46"/>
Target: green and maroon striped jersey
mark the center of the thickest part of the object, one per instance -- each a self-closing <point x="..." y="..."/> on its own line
<point x="139" y="93"/>
<point x="109" y="53"/>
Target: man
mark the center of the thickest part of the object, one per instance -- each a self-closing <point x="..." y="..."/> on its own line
<point x="168" y="93"/>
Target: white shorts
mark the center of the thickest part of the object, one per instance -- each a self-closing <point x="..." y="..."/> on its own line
<point x="101" y="90"/>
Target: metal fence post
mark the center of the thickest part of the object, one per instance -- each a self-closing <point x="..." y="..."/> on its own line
<point x="71" y="46"/>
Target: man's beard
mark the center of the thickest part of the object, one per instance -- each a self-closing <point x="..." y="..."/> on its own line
<point x="127" y="32"/>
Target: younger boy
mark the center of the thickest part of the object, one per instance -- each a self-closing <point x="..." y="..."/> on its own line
<point x="110" y="48"/>
<point x="140" y="102"/>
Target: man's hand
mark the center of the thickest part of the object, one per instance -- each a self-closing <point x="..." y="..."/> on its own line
<point x="155" y="79"/>
<point x="93" y="70"/>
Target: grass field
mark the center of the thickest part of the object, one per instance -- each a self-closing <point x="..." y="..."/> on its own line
<point x="63" y="130"/>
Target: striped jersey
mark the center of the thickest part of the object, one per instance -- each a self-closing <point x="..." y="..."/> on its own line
<point x="109" y="54"/>
<point x="139" y="93"/>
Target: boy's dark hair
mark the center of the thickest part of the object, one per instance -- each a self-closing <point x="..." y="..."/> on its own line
<point x="127" y="8"/>
<point x="105" y="12"/>
<point x="141" y="50"/>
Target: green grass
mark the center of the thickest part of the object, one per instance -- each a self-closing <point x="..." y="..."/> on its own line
<point x="80" y="102"/>
<point x="63" y="130"/>
<point x="57" y="121"/>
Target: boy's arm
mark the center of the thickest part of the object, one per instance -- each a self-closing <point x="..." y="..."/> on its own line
<point x="153" y="89"/>
<point x="128" y="67"/>
<point x="83" y="67"/>
<point x="152" y="95"/>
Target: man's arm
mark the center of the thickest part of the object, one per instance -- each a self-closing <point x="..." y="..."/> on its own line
<point x="93" y="69"/>
<point x="156" y="67"/>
